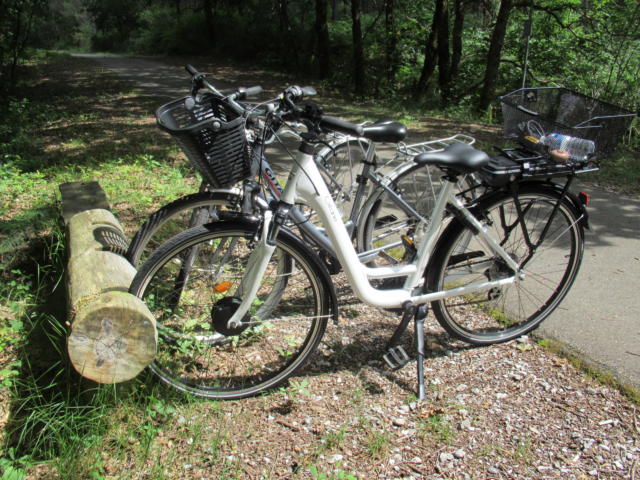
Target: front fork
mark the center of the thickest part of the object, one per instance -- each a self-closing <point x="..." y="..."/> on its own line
<point x="259" y="259"/>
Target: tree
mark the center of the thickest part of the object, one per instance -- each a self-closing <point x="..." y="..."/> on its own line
<point x="209" y="14"/>
<point x="444" y="78"/>
<point x="494" y="55"/>
<point x="431" y="48"/>
<point x="456" y="37"/>
<point x="391" y="40"/>
<point x="321" y="49"/>
<point x="358" y="49"/>
<point x="16" y="21"/>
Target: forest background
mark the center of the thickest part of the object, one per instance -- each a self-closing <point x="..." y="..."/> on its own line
<point x="432" y="53"/>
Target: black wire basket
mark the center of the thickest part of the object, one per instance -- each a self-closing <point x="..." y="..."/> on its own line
<point x="533" y="112"/>
<point x="211" y="135"/>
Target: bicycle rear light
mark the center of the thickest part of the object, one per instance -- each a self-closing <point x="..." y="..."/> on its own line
<point x="584" y="198"/>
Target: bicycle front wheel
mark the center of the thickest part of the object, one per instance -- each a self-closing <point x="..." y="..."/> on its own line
<point x="197" y="352"/>
<point x="505" y="313"/>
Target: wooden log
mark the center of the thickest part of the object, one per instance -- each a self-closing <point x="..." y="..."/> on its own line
<point x="113" y="334"/>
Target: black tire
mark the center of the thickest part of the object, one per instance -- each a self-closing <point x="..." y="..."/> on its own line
<point x="195" y="353"/>
<point x="175" y="217"/>
<point x="505" y="313"/>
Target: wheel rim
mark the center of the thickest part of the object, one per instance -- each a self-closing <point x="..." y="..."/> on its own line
<point x="286" y="318"/>
<point x="507" y="312"/>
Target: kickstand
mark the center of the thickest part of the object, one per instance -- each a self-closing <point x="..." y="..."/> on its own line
<point x="420" y="315"/>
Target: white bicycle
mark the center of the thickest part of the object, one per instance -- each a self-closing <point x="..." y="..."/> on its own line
<point x="492" y="269"/>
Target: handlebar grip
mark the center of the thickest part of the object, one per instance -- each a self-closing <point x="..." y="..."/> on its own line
<point x="339" y="125"/>
<point x="308" y="91"/>
<point x="249" y="92"/>
<point x="191" y="69"/>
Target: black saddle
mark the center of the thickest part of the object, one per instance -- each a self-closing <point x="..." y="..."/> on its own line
<point x="385" y="131"/>
<point x="458" y="158"/>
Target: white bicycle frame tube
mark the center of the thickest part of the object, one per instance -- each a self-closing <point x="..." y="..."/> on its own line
<point x="305" y="185"/>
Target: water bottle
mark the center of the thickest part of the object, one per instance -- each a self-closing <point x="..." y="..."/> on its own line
<point x="578" y="148"/>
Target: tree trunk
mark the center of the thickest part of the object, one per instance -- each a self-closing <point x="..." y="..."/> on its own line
<point x="430" y="51"/>
<point x="209" y="14"/>
<point x="391" y="40"/>
<point x="358" y="51"/>
<point x="286" y="34"/>
<point x="493" y="56"/>
<point x="444" y="79"/>
<point x="456" y="37"/>
<point x="322" y="39"/>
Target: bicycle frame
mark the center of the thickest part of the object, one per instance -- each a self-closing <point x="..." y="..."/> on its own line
<point x="305" y="184"/>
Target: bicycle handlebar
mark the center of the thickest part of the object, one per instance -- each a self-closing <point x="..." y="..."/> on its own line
<point x="291" y="96"/>
<point x="199" y="81"/>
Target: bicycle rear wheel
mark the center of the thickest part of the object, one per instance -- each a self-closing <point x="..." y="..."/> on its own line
<point x="197" y="353"/>
<point x="384" y="223"/>
<point x="504" y="313"/>
<point x="340" y="164"/>
<point x="175" y="217"/>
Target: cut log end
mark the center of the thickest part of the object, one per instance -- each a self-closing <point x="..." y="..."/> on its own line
<point x="113" y="338"/>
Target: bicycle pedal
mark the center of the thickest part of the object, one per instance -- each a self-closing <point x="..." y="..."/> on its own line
<point x="396" y="357"/>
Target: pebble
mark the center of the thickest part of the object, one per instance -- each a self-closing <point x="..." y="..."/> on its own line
<point x="446" y="457"/>
<point x="465" y="424"/>
<point x="399" y="422"/>
<point x="416" y="460"/>
<point x="335" y="458"/>
<point x="459" y="453"/>
<point x="494" y="470"/>
<point x="501" y="395"/>
<point x="593" y="473"/>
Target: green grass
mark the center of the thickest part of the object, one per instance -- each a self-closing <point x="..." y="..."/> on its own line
<point x="79" y="124"/>
<point x="597" y="373"/>
<point x="620" y="172"/>
<point x="437" y="428"/>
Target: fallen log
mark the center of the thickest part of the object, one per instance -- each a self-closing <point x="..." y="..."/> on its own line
<point x="113" y="334"/>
